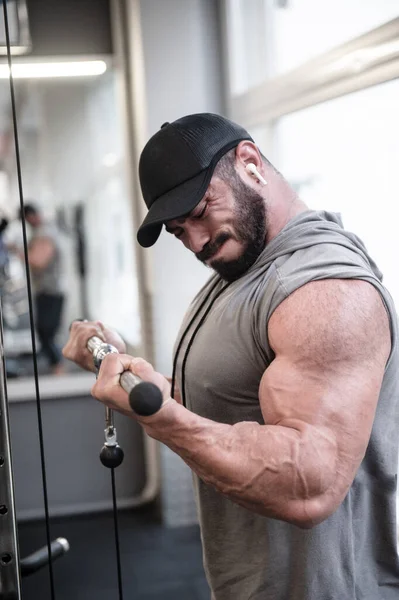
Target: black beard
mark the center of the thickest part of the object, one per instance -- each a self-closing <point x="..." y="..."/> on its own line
<point x="249" y="227"/>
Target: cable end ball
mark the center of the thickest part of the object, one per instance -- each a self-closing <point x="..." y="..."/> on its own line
<point x="111" y="456"/>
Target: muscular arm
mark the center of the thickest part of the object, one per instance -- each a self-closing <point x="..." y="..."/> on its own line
<point x="40" y="253"/>
<point x="318" y="397"/>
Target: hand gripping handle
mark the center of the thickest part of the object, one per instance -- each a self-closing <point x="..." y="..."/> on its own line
<point x="145" y="398"/>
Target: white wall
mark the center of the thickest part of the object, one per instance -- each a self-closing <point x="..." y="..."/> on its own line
<point x="183" y="76"/>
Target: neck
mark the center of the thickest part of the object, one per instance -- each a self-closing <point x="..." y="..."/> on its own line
<point x="283" y="204"/>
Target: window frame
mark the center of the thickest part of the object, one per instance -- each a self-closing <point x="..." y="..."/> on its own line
<point x="364" y="61"/>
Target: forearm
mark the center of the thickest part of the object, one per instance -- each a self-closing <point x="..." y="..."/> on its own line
<point x="270" y="470"/>
<point x="33" y="261"/>
<point x="37" y="263"/>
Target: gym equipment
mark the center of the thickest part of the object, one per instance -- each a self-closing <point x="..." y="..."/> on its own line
<point x="144" y="398"/>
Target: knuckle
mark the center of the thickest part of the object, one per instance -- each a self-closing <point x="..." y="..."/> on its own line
<point x="142" y="367"/>
<point x="110" y="359"/>
<point x="99" y="387"/>
<point x="76" y="324"/>
<point x="139" y="362"/>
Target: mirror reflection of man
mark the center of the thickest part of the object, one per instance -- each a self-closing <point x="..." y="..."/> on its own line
<point x="3" y="253"/>
<point x="46" y="267"/>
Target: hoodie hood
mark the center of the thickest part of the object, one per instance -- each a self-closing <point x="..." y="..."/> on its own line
<point x="311" y="228"/>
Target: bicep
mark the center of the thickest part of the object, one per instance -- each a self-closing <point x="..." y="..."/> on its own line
<point x="41" y="251"/>
<point x="331" y="341"/>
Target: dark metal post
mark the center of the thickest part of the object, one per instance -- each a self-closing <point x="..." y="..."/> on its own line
<point x="10" y="585"/>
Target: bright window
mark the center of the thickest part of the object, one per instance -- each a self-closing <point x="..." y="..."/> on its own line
<point x="343" y="155"/>
<point x="306" y="28"/>
<point x="269" y="37"/>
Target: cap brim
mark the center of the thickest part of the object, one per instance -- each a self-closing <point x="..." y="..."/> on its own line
<point x="176" y="203"/>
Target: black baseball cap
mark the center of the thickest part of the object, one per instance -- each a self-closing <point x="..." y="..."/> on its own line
<point x="176" y="166"/>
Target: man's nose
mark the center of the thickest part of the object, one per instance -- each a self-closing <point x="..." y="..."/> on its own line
<point x="198" y="237"/>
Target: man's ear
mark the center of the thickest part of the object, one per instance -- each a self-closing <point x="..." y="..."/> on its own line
<point x="249" y="162"/>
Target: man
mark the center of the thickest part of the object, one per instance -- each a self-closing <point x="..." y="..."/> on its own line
<point x="287" y="366"/>
<point x="45" y="262"/>
<point x="3" y="255"/>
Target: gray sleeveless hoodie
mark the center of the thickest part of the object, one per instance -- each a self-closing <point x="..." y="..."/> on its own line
<point x="352" y="555"/>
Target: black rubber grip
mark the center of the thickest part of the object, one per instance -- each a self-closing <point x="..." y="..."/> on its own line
<point x="145" y="399"/>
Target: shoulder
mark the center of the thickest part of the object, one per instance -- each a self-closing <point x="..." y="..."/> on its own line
<point x="50" y="229"/>
<point x="47" y="231"/>
<point x="341" y="318"/>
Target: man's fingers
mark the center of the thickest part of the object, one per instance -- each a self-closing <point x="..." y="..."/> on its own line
<point x="114" y="364"/>
<point x="146" y="372"/>
<point x="79" y="333"/>
<point x="141" y="368"/>
<point x="100" y="327"/>
<point x="89" y="328"/>
<point x="76" y="347"/>
<point x="107" y="388"/>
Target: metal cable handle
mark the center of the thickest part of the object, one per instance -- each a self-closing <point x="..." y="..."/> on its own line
<point x="145" y="399"/>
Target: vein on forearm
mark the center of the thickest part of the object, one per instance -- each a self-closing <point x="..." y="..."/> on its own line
<point x="258" y="466"/>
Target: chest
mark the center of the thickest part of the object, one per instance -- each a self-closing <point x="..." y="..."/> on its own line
<point x="223" y="357"/>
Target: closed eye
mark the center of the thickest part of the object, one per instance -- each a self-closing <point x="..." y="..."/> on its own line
<point x="176" y="231"/>
<point x="201" y="213"/>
